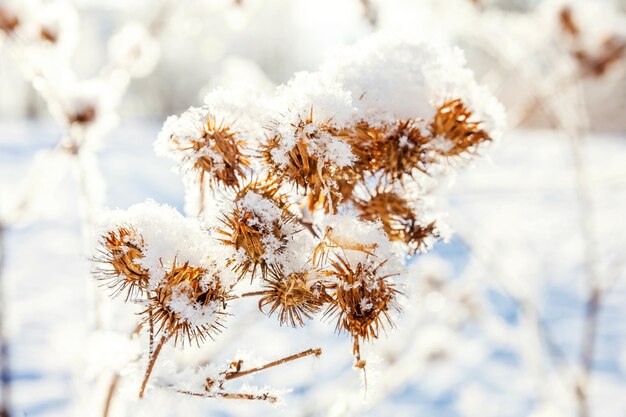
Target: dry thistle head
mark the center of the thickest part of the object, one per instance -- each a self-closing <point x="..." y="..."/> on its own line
<point x="453" y="123"/>
<point x="399" y="220"/>
<point x="612" y="50"/>
<point x="8" y="21"/>
<point x="395" y="150"/>
<point x="255" y="226"/>
<point x="362" y="298"/>
<point x="206" y="147"/>
<point x="304" y="163"/>
<point x="118" y="254"/>
<point x="294" y="295"/>
<point x="188" y="303"/>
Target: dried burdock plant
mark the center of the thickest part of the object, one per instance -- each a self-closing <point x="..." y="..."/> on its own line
<point x="186" y="292"/>
<point x="302" y="160"/>
<point x="297" y="218"/>
<point x="117" y="262"/>
<point x="594" y="55"/>
<point x="457" y="130"/>
<point x="293" y="296"/>
<point x="400" y="221"/>
<point x="8" y="21"/>
<point x="258" y="228"/>
<point x="363" y="296"/>
<point x="205" y="147"/>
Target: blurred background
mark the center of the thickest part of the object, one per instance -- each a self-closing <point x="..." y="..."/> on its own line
<point x="519" y="314"/>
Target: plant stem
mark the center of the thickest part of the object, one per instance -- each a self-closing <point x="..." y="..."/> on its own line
<point x="232" y="396"/>
<point x="238" y="374"/>
<point x="153" y="359"/>
<point x="5" y="368"/>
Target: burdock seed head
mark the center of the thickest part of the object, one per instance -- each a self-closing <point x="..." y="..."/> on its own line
<point x="293" y="296"/>
<point x="205" y="147"/>
<point x="188" y="303"/>
<point x="363" y="296"/>
<point x="117" y="258"/>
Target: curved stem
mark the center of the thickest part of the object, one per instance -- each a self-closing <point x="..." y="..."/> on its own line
<point x="238" y="374"/>
<point x="153" y="359"/>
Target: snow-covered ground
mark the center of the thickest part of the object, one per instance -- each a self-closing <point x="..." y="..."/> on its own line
<point x="468" y="342"/>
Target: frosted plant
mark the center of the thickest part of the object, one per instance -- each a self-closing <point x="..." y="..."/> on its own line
<point x="316" y="202"/>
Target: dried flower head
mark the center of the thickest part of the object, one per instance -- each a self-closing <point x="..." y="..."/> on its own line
<point x="454" y="126"/>
<point x="257" y="227"/>
<point x="8" y="21"/>
<point x="400" y="221"/>
<point x="294" y="296"/>
<point x="205" y="147"/>
<point x="117" y="257"/>
<point x="395" y="150"/>
<point x="612" y="50"/>
<point x="188" y="302"/>
<point x="362" y="298"/>
<point x="313" y="157"/>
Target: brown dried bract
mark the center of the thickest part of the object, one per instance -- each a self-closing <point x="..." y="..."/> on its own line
<point x="325" y="185"/>
<point x="400" y="222"/>
<point x="362" y="298"/>
<point x="118" y="254"/>
<point x="453" y="121"/>
<point x="8" y="21"/>
<point x="333" y="241"/>
<point x="187" y="280"/>
<point x="395" y="150"/>
<point x="243" y="229"/>
<point x="220" y="155"/>
<point x="295" y="296"/>
<point x="612" y="51"/>
<point x="566" y="19"/>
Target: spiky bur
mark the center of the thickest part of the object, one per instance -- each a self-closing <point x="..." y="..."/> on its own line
<point x="363" y="297"/>
<point x="392" y="149"/>
<point x="117" y="262"/>
<point x="188" y="303"/>
<point x="400" y="221"/>
<point x="315" y="159"/>
<point x="457" y="130"/>
<point x="258" y="226"/>
<point x="594" y="63"/>
<point x="8" y="21"/>
<point x="205" y="147"/>
<point x="293" y="296"/>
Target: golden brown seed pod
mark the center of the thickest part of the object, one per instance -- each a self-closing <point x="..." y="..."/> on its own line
<point x="8" y="21"/>
<point x="362" y="299"/>
<point x="118" y="254"/>
<point x="187" y="291"/>
<point x="326" y="185"/>
<point x="247" y="231"/>
<point x="399" y="221"/>
<point x="218" y="154"/>
<point x="395" y="150"/>
<point x="453" y="121"/>
<point x="293" y="296"/>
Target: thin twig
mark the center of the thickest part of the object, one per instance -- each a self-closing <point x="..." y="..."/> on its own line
<point x="232" y="396"/>
<point x="150" y="367"/>
<point x="5" y="368"/>
<point x="238" y="374"/>
<point x="110" y="394"/>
